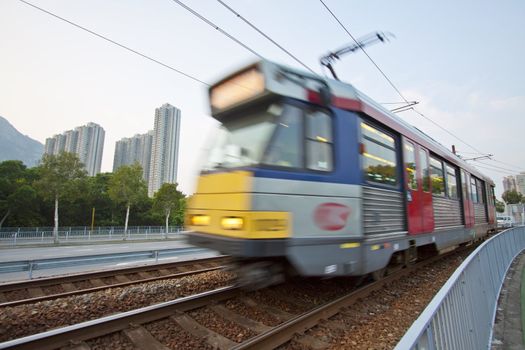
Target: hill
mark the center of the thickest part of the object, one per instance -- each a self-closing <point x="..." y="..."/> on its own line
<point x="15" y="146"/>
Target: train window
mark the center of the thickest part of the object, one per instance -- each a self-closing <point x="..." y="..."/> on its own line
<point x="424" y="170"/>
<point x="452" y="183"/>
<point x="436" y="174"/>
<point x="379" y="156"/>
<point x="377" y="136"/>
<point x="319" y="141"/>
<point x="285" y="148"/>
<point x="473" y="190"/>
<point x="319" y="126"/>
<point x="410" y="165"/>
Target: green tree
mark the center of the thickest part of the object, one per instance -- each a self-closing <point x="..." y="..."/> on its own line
<point x="500" y="206"/>
<point x="511" y="197"/>
<point x="167" y="200"/>
<point x="127" y="187"/>
<point x="59" y="175"/>
<point x="98" y="198"/>
<point x="178" y="218"/>
<point x="24" y="206"/>
<point x="13" y="175"/>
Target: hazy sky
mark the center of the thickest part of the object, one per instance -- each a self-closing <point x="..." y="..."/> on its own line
<point x="463" y="60"/>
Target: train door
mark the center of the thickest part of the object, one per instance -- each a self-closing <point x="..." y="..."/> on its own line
<point x="414" y="208"/>
<point x="491" y="200"/>
<point x="426" y="191"/>
<point x="420" y="217"/>
<point x="468" y="207"/>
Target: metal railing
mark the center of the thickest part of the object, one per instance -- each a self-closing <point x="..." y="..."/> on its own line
<point x="10" y="236"/>
<point x="461" y="315"/>
<point x="71" y="261"/>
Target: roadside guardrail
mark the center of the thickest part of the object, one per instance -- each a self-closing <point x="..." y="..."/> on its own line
<point x="461" y="315"/>
<point x="41" y="264"/>
<point x="13" y="236"/>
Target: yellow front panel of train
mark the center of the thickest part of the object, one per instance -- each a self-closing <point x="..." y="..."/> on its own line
<point x="240" y="224"/>
<point x="231" y="182"/>
<point x="222" y="206"/>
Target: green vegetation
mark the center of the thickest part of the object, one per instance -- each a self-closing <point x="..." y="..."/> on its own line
<point x="166" y="200"/>
<point x="60" y="176"/>
<point x="31" y="197"/>
<point x="512" y="197"/>
<point x="500" y="206"/>
<point x="127" y="187"/>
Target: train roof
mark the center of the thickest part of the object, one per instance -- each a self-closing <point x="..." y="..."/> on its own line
<point x="282" y="80"/>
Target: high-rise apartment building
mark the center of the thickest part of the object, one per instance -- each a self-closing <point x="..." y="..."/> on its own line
<point x="515" y="183"/>
<point x="509" y="184"/>
<point x="520" y="182"/>
<point x="86" y="141"/>
<point x="136" y="149"/>
<point x="165" y="147"/>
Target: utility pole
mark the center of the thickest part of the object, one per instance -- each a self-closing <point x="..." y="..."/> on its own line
<point x="92" y="218"/>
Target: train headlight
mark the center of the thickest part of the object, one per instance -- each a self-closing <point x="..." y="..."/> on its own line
<point x="200" y="220"/>
<point x="232" y="223"/>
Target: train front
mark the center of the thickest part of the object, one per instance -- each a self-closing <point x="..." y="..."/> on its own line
<point x="267" y="172"/>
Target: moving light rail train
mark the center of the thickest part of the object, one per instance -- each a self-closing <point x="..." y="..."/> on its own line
<point x="311" y="177"/>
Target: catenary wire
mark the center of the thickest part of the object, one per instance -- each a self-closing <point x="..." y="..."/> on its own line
<point x="364" y="51"/>
<point x="494" y="170"/>
<point x="448" y="132"/>
<point x="472" y="153"/>
<point x="389" y="81"/>
<point x="210" y="23"/>
<point x="495" y="166"/>
<point x="201" y="81"/>
<point x="395" y="103"/>
<point x="266" y="36"/>
<point x="514" y="166"/>
<point x="492" y="159"/>
<point x="115" y="43"/>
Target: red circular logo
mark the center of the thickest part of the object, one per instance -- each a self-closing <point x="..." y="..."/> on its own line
<point x="331" y="216"/>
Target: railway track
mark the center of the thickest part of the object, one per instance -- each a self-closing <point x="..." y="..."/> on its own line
<point x="245" y="321"/>
<point x="32" y="291"/>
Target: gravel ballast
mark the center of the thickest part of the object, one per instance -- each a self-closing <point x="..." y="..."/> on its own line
<point x="23" y="320"/>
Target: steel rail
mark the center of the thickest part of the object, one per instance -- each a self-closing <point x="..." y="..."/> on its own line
<point x="96" y="289"/>
<point x="272" y="338"/>
<point x="287" y="330"/>
<point x="48" y="282"/>
<point x="61" y="337"/>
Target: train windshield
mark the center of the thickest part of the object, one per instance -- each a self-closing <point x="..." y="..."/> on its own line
<point x="244" y="140"/>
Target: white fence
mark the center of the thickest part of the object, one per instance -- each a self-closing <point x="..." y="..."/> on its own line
<point x="461" y="315"/>
<point x="11" y="236"/>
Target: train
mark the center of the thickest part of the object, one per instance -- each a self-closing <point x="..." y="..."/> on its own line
<point x="309" y="176"/>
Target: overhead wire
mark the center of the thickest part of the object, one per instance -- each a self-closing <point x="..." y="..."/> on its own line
<point x="491" y="158"/>
<point x="390" y="81"/>
<point x="491" y="169"/>
<point x="508" y="164"/>
<point x="447" y="131"/>
<point x="116" y="43"/>
<point x="395" y="103"/>
<point x="222" y="31"/>
<point x="266" y="36"/>
<point x="495" y="166"/>
<point x="249" y="49"/>
<point x="364" y="51"/>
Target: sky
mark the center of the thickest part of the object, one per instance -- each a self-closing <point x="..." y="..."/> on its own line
<point x="463" y="61"/>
